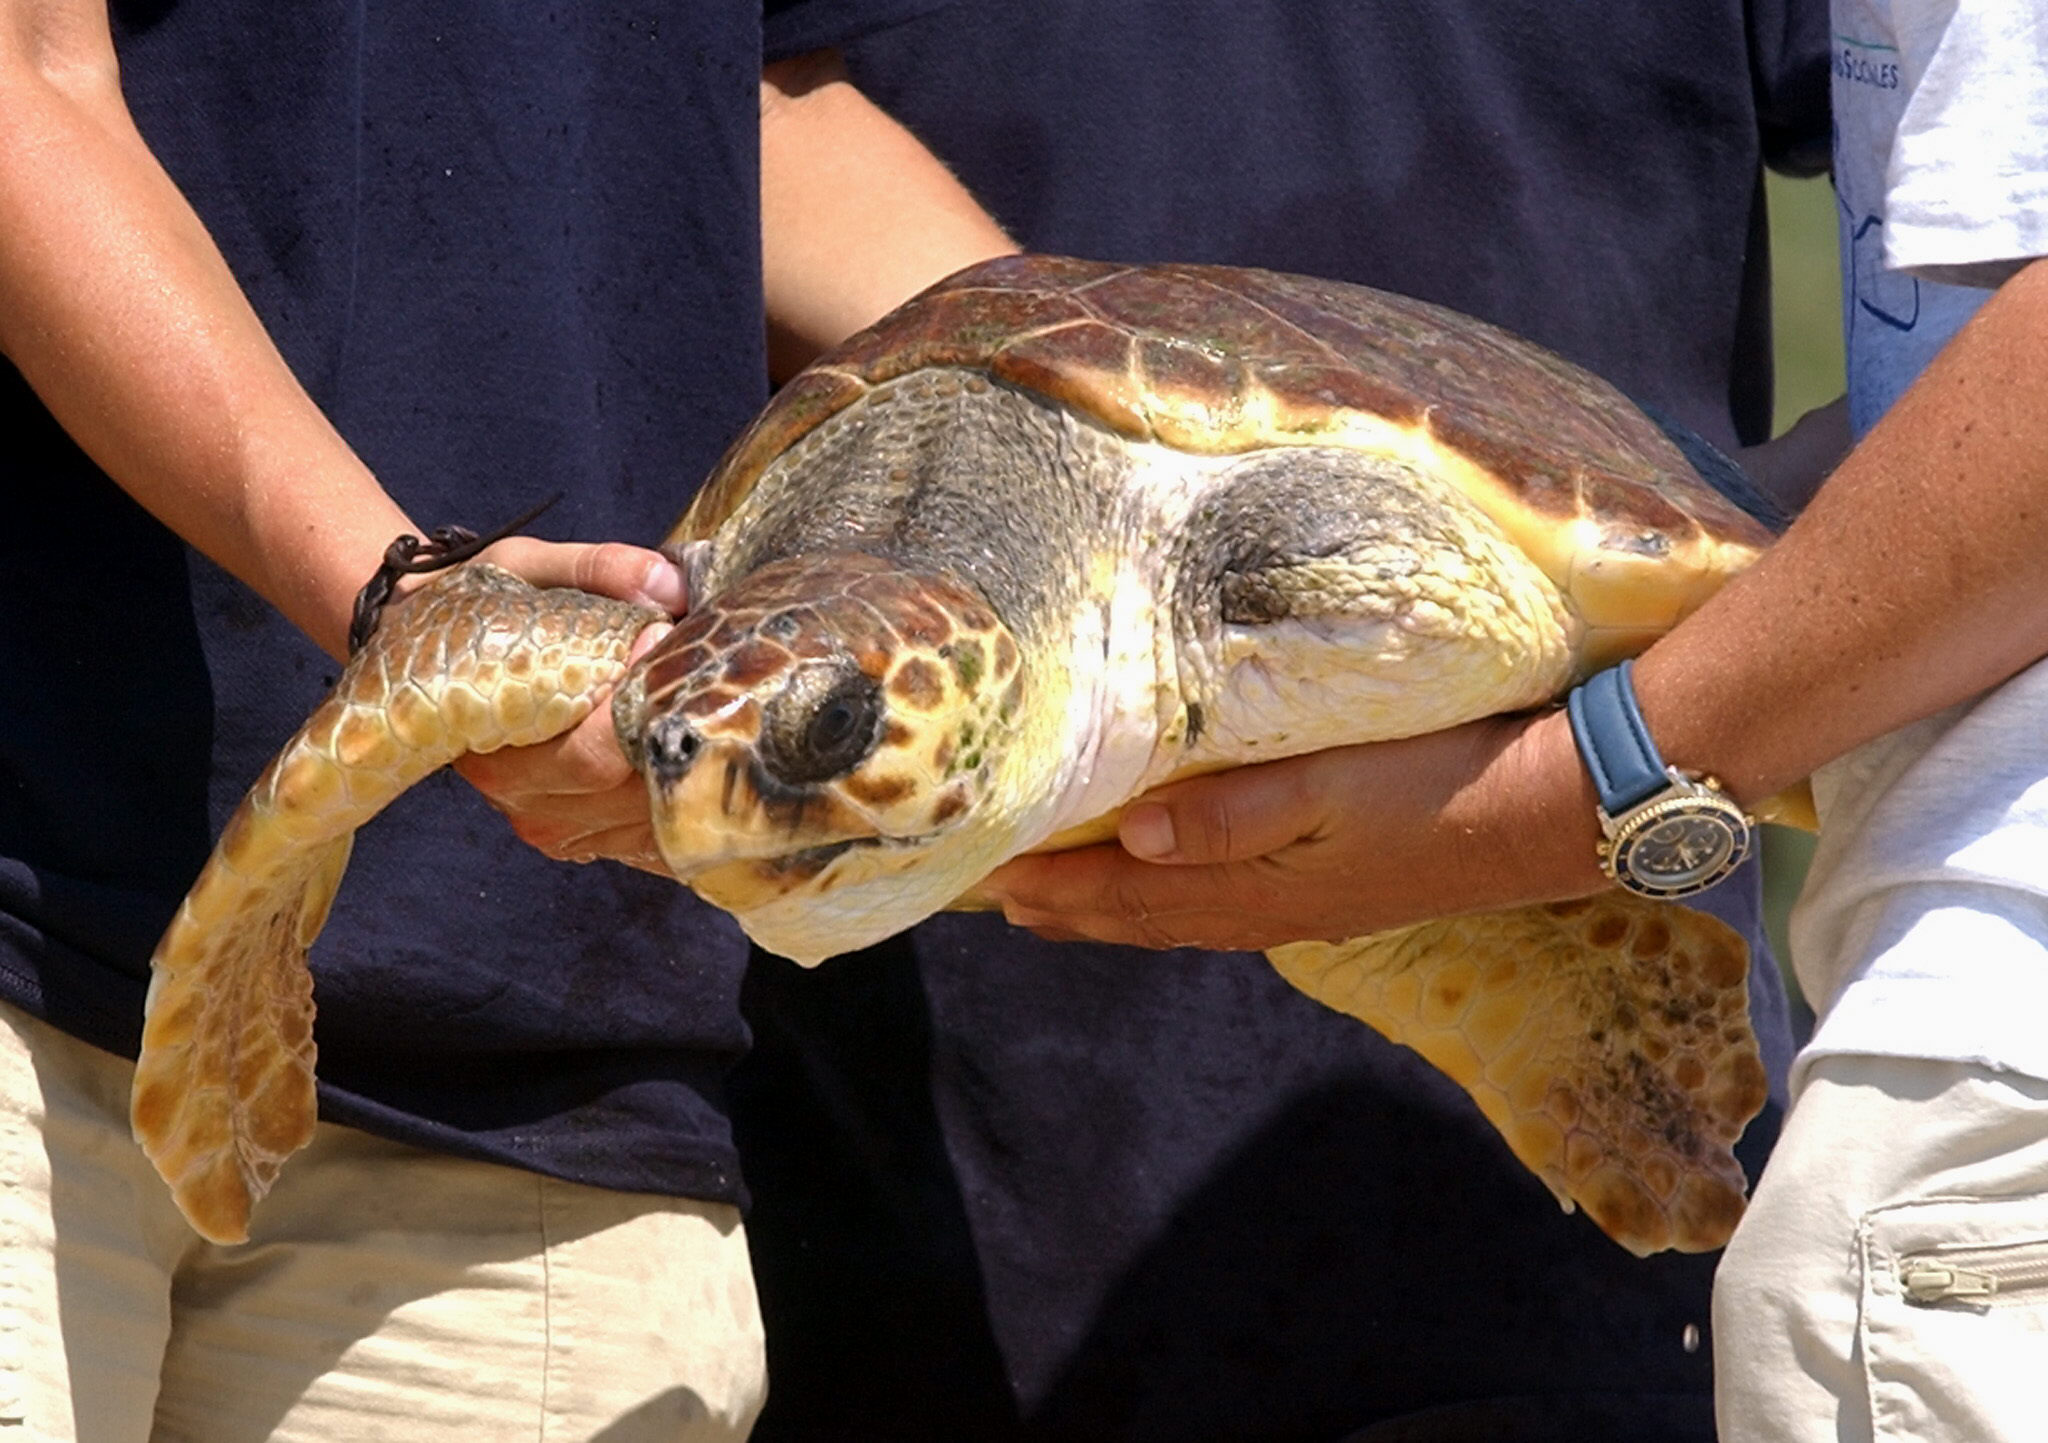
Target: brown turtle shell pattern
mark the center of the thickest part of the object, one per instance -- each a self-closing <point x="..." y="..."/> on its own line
<point x="1220" y="360"/>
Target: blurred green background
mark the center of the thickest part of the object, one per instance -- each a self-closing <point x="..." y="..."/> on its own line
<point x="1806" y="310"/>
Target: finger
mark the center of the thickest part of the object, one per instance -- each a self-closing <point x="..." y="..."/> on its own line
<point x="1035" y="881"/>
<point x="1209" y="930"/>
<point x="629" y="842"/>
<point x="1227" y="817"/>
<point x="561" y="826"/>
<point x="650" y="636"/>
<point x="650" y="862"/>
<point x="1084" y="887"/>
<point x="606" y="568"/>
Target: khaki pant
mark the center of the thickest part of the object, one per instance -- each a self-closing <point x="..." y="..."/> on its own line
<point x="386" y="1292"/>
<point x="1891" y="1278"/>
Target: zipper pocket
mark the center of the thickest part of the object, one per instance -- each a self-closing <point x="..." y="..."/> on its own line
<point x="1975" y="1277"/>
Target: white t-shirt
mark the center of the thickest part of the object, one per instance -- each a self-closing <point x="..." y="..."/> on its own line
<point x="1941" y="174"/>
<point x="1923" y="930"/>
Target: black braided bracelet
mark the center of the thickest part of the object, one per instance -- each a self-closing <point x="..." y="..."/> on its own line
<point x="408" y="555"/>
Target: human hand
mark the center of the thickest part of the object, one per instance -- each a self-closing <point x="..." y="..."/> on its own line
<point x="1334" y="844"/>
<point x="575" y="797"/>
<point x="1791" y="467"/>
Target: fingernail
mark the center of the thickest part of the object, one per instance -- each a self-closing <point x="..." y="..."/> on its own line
<point x="1147" y="832"/>
<point x="650" y="637"/>
<point x="664" y="587"/>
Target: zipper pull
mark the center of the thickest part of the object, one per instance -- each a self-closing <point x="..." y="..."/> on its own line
<point x="1929" y="1280"/>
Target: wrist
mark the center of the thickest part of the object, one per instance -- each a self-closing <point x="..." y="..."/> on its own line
<point x="1532" y="814"/>
<point x="1666" y="833"/>
<point x="323" y="583"/>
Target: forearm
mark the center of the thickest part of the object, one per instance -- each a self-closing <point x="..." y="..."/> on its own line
<point x="856" y="215"/>
<point x="119" y="311"/>
<point x="1918" y="577"/>
<point x="1791" y="467"/>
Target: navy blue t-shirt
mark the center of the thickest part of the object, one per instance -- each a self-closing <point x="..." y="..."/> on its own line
<point x="510" y="250"/>
<point x="1012" y="1189"/>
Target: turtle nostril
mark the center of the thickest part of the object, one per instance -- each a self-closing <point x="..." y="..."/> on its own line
<point x="671" y="746"/>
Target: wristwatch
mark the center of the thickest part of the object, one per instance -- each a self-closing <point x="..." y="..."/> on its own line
<point x="1667" y="834"/>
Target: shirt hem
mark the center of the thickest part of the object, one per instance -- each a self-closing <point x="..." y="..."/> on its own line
<point x="1931" y="1019"/>
<point x="1983" y="259"/>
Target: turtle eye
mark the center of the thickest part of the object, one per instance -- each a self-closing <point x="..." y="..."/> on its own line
<point x="822" y="725"/>
<point x="836" y="721"/>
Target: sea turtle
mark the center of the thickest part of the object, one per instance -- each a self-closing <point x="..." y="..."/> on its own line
<point x="1052" y="533"/>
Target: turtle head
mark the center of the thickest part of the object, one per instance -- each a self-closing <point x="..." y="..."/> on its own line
<point x="824" y="746"/>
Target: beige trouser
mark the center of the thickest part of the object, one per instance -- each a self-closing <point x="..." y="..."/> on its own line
<point x="1853" y="1303"/>
<point x="386" y="1293"/>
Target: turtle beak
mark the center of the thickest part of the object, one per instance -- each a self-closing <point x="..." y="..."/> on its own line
<point x="695" y="789"/>
<point x="712" y="803"/>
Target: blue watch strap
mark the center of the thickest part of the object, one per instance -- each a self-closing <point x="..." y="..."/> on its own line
<point x="1613" y="740"/>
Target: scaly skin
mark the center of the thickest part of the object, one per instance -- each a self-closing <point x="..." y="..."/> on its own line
<point x="1607" y="1039"/>
<point x="476" y="660"/>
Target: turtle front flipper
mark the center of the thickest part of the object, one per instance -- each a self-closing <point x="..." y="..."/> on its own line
<point x="1607" y="1039"/>
<point x="475" y="661"/>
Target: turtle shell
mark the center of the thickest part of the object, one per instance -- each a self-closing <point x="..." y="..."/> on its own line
<point x="1222" y="360"/>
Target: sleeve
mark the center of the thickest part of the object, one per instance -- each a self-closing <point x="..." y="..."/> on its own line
<point x="792" y="27"/>
<point x="1788" y="56"/>
<point x="1966" y="189"/>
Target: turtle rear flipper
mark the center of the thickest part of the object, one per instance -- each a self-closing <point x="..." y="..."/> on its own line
<point x="475" y="661"/>
<point x="1607" y="1039"/>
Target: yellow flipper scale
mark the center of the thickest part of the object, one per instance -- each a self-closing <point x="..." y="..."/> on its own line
<point x="476" y="660"/>
<point x="1607" y="1039"/>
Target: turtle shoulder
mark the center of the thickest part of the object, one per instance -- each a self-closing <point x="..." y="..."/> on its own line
<point x="1577" y="476"/>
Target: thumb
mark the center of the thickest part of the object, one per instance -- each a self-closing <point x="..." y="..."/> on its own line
<point x="1227" y="817"/>
<point x="606" y="568"/>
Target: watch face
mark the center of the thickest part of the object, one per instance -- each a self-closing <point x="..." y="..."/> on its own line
<point x="1686" y="849"/>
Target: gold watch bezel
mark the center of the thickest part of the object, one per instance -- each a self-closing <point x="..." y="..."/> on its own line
<point x="1697" y="799"/>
